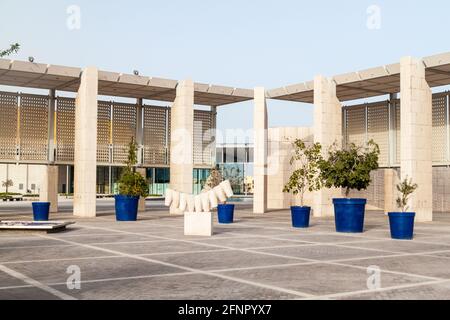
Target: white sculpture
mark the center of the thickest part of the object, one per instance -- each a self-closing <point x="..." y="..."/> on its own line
<point x="203" y="202"/>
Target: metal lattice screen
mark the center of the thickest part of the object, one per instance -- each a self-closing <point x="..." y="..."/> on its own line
<point x="123" y="129"/>
<point x="8" y="125"/>
<point x="203" y="137"/>
<point x="378" y="129"/>
<point x="440" y="133"/>
<point x="355" y="122"/>
<point x="103" y="131"/>
<point x="33" y="127"/>
<point x="155" y="135"/>
<point x="65" y="129"/>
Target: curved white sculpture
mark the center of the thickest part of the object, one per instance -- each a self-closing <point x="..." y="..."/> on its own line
<point x="200" y="203"/>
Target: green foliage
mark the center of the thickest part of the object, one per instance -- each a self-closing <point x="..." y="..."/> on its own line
<point x="6" y="184"/>
<point x="406" y="189"/>
<point x="350" y="168"/>
<point x="307" y="176"/>
<point x="132" y="183"/>
<point x="14" y="48"/>
<point x="214" y="179"/>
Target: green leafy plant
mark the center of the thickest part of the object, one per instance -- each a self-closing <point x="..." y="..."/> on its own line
<point x="350" y="167"/>
<point x="6" y="184"/>
<point x="406" y="188"/>
<point x="307" y="176"/>
<point x="132" y="183"/>
<point x="14" y="48"/>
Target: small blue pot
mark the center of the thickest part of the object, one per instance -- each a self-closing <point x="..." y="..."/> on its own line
<point x="402" y="225"/>
<point x="225" y="213"/>
<point x="41" y="211"/>
<point x="300" y="216"/>
<point x="349" y="215"/>
<point x="126" y="208"/>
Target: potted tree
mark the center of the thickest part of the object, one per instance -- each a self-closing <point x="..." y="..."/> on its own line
<point x="402" y="223"/>
<point x="349" y="168"/>
<point x="132" y="186"/>
<point x="305" y="178"/>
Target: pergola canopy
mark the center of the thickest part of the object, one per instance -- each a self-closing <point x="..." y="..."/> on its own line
<point x="43" y="76"/>
<point x="368" y="83"/>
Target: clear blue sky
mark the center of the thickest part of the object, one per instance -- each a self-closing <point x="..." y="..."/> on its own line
<point x="234" y="42"/>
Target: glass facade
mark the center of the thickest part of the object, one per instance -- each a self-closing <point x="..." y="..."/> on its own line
<point x="199" y="179"/>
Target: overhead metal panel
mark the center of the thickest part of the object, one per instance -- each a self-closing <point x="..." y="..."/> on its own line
<point x="155" y="135"/>
<point x="8" y="125"/>
<point x="378" y="129"/>
<point x="123" y="130"/>
<point x="33" y="124"/>
<point x="103" y="131"/>
<point x="65" y="129"/>
<point x="440" y="138"/>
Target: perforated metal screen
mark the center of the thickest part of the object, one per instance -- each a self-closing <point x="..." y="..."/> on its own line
<point x="103" y="131"/>
<point x="65" y="129"/>
<point x="378" y="129"/>
<point x="123" y="129"/>
<point x="8" y="125"/>
<point x="440" y="134"/>
<point x="33" y="127"/>
<point x="155" y="135"/>
<point x="203" y="137"/>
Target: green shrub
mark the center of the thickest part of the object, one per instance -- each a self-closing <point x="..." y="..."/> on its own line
<point x="132" y="183"/>
<point x="307" y="176"/>
<point x="349" y="168"/>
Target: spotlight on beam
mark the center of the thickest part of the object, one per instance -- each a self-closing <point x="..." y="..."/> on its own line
<point x="136" y="72"/>
<point x="31" y="59"/>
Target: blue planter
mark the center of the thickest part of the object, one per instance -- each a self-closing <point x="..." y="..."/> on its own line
<point x="300" y="217"/>
<point x="402" y="225"/>
<point x="225" y="213"/>
<point x="41" y="211"/>
<point x="126" y="208"/>
<point x="349" y="215"/>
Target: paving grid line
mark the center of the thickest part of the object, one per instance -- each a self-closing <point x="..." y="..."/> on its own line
<point x="242" y="281"/>
<point x="314" y="260"/>
<point x="36" y="284"/>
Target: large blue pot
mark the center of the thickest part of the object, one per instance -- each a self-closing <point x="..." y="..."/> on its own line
<point x="126" y="208"/>
<point x="349" y="215"/>
<point x="300" y="216"/>
<point x="225" y="213"/>
<point x="402" y="225"/>
<point x="41" y="211"/>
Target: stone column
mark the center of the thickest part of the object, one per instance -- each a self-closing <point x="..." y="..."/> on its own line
<point x="416" y="135"/>
<point x="181" y="140"/>
<point x="85" y="173"/>
<point x="390" y="190"/>
<point x="260" y="137"/>
<point x="143" y="172"/>
<point x="49" y="187"/>
<point x="327" y="130"/>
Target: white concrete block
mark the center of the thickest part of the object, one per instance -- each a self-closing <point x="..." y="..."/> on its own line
<point x="198" y="224"/>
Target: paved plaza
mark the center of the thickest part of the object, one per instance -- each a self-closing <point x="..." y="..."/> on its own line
<point x="258" y="257"/>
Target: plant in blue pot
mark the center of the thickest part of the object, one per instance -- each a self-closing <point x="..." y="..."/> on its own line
<point x="132" y="186"/>
<point x="306" y="177"/>
<point x="349" y="168"/>
<point x="214" y="184"/>
<point x="402" y="223"/>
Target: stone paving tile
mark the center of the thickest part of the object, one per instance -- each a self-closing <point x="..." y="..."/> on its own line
<point x="320" y="279"/>
<point x="159" y="247"/>
<point x="93" y="269"/>
<point x="9" y="281"/>
<point x="323" y="238"/>
<point x="119" y="237"/>
<point x="186" y="287"/>
<point x="26" y="242"/>
<point x="323" y="252"/>
<point x="426" y="292"/>
<point x="400" y="246"/>
<point x="420" y="265"/>
<point x="26" y="294"/>
<point x="224" y="260"/>
<point x="251" y="242"/>
<point x="30" y="254"/>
